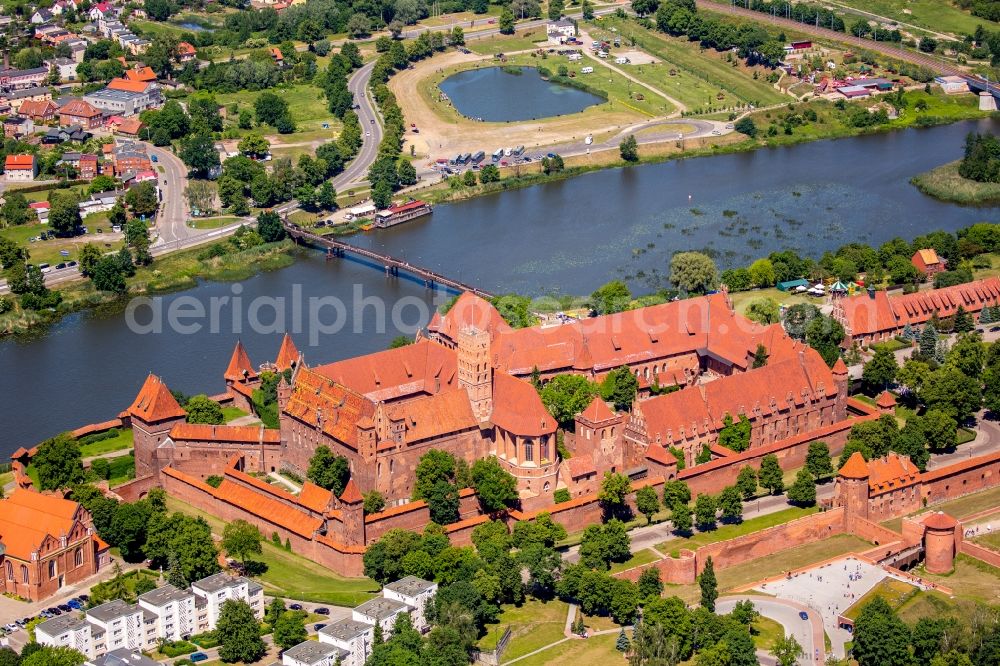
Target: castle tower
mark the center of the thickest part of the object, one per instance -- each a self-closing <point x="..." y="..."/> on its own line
<point x="288" y="355"/>
<point x="852" y="489"/>
<point x="939" y="543"/>
<point x="240" y="369"/>
<point x="352" y="508"/>
<point x="886" y="403"/>
<point x="152" y="414"/>
<point x="475" y="374"/>
<point x="843" y="381"/>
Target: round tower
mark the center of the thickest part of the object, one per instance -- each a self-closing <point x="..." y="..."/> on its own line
<point x="939" y="543"/>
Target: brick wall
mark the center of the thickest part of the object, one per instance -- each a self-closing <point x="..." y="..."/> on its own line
<point x="874" y="532"/>
<point x="136" y="489"/>
<point x="961" y="478"/>
<point x="680" y="570"/>
<point x="983" y="554"/>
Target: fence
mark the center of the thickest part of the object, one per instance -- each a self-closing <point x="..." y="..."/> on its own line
<point x="493" y="657"/>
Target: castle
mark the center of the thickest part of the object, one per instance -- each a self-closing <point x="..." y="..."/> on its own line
<point x="465" y="386"/>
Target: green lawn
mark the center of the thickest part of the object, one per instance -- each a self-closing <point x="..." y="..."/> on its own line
<point x="293" y="576"/>
<point x="991" y="541"/>
<point x="765" y="632"/>
<point x="937" y="15"/>
<point x="232" y="413"/>
<point x="306" y="104"/>
<point x="891" y="345"/>
<point x="895" y="592"/>
<point x="48" y="252"/>
<point x="644" y="556"/>
<point x="211" y="222"/>
<point x="596" y="650"/>
<point x="971" y="579"/>
<point x="725" y="532"/>
<point x="970" y="504"/>
<point x="122" y="441"/>
<point x="533" y="625"/>
<point x="122" y="470"/>
<point x="695" y="63"/>
<point x="506" y="43"/>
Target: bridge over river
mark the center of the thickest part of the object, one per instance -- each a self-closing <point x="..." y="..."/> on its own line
<point x="391" y="265"/>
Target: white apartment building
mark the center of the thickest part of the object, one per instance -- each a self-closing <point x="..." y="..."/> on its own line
<point x="174" y="611"/>
<point x="351" y="636"/>
<point x="381" y="611"/>
<point x="415" y="593"/>
<point x="311" y="653"/>
<point x="216" y="589"/>
<point x="166" y="613"/>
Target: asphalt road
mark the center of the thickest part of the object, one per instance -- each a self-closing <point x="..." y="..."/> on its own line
<point x="371" y="123"/>
<point x="172" y="217"/>
<point x="809" y="633"/>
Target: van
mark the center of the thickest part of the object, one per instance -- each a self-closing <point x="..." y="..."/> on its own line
<point x="45" y="268"/>
<point x="478" y="157"/>
<point x="519" y="150"/>
<point x="602" y="54"/>
<point x="497" y="154"/>
<point x="587" y="70"/>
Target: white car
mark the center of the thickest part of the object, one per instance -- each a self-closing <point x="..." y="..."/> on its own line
<point x="716" y="132"/>
<point x="367" y="133"/>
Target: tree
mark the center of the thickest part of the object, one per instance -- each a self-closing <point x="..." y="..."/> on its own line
<point x="567" y="395"/>
<point x="434" y="466"/>
<point x="818" y="460"/>
<point x="880" y="371"/>
<point x="64" y="215"/>
<point x="290" y="629"/>
<point x="950" y="391"/>
<point x="629" y="149"/>
<point x="107" y="275"/>
<point x="489" y="174"/>
<point x="735" y="436"/>
<point x="254" y="144"/>
<point x="693" y="272"/>
<point x="54" y="656"/>
<point x="797" y="319"/>
<point x="620" y="387"/>
<point x="622" y="644"/>
<point x="183" y="542"/>
<point x="442" y="500"/>
<point x="803" y="489"/>
<point x="15" y="209"/>
<point x="939" y="430"/>
<point x="611" y="298"/>
<point x="647" y="502"/>
<point x="731" y="504"/>
<point x="709" y="585"/>
<point x="675" y="492"/>
<point x="202" y="409"/>
<point x="199" y="153"/>
<point x="374" y="502"/>
<point x="760" y="356"/>
<point x="328" y="471"/>
<point x="241" y="539"/>
<point x="614" y="491"/>
<point x="824" y="334"/>
<point x="746" y="126"/>
<point x="506" y="21"/>
<point x="928" y="341"/>
<point x="58" y="463"/>
<point x="705" y="508"/>
<point x="269" y="227"/>
<point x="880" y="637"/>
<point x="649" y="583"/>
<point x="588" y="10"/>
<point x="786" y="651"/>
<point x="495" y="486"/>
<point x="239" y="633"/>
<point x="771" y="474"/>
<point x="762" y="273"/>
<point x="680" y="516"/>
<point x="269" y="108"/>
<point x="746" y="482"/>
<point x="763" y="310"/>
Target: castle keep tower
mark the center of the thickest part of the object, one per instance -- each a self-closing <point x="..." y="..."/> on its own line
<point x="475" y="374"/>
<point x="939" y="543"/>
<point x="852" y="489"/>
<point x="152" y="414"/>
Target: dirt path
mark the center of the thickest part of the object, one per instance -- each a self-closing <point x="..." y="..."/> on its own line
<point x="678" y="105"/>
<point x="441" y="137"/>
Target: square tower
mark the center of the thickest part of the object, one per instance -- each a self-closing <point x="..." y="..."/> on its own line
<point x="475" y="373"/>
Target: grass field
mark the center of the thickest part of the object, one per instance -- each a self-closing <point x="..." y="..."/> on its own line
<point x="895" y="592"/>
<point x="773" y="565"/>
<point x="595" y="650"/>
<point x="992" y="271"/>
<point x="211" y="222"/>
<point x="306" y="105"/>
<point x="725" y="532"/>
<point x="971" y="579"/>
<point x="533" y="625"/>
<point x="48" y="252"/>
<point x="293" y="576"/>
<point x="991" y="541"/>
<point x="519" y="41"/>
<point x="937" y="15"/>
<point x="959" y="508"/>
<point x="742" y="298"/>
<point x="945" y="183"/>
<point x="765" y="632"/>
<point x="119" y="443"/>
<point x="715" y="74"/>
<point x="232" y="413"/>
<point x="644" y="556"/>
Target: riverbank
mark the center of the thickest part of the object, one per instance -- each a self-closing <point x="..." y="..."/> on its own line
<point x="173" y="272"/>
<point x="945" y="184"/>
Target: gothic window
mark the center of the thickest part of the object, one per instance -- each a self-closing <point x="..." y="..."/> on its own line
<point x="78" y="557"/>
<point x="529" y="453"/>
<point x="52" y="568"/>
<point x="24" y="574"/>
<point x="10" y="571"/>
<point x="543" y="449"/>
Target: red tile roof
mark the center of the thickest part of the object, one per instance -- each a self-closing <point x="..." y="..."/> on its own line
<point x="264" y="506"/>
<point x="155" y="402"/>
<point x="240" y="367"/>
<point x="926" y="258"/>
<point x="855" y="467"/>
<point x="28" y="518"/>
<point x="891" y="473"/>
<point x="288" y="354"/>
<point x="184" y="48"/>
<point x="37" y="108"/>
<point x="315" y="397"/>
<point x="127" y="85"/>
<point x="940" y="521"/>
<point x="885" y="400"/>
<point x="518" y="409"/>
<point x="19" y="162"/>
<point x="581" y="466"/>
<point x="141" y="74"/>
<point x="351" y="494"/>
<point x="77" y="108"/>
<point x="597" y="411"/>
<point x="314" y="497"/>
<point x="468" y="311"/>
<point x="423" y="367"/>
<point x="431" y="416"/>
<point x="658" y="454"/>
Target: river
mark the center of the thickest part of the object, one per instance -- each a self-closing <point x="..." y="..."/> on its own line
<point x="566" y="237"/>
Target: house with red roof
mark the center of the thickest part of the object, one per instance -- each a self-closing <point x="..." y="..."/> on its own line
<point x="928" y="262"/>
<point x="20" y="168"/>
<point x="79" y="112"/>
<point x="47" y="544"/>
<point x="185" y="52"/>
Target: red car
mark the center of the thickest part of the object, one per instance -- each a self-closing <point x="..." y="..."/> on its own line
<point x="492" y="21"/>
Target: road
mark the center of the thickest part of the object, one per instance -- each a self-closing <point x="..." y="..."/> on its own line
<point x="809" y="633"/>
<point x="171" y="220"/>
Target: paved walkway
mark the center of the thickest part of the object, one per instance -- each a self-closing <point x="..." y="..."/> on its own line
<point x="809" y="633"/>
<point x="285" y="482"/>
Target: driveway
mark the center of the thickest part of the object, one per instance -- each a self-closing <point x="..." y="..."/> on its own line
<point x="809" y="633"/>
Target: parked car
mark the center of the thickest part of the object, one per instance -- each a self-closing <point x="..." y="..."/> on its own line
<point x="803" y="615"/>
<point x="295" y="607"/>
<point x="65" y="608"/>
<point x="82" y="597"/>
<point x="321" y="611"/>
<point x="152" y="158"/>
<point x="198" y="656"/>
<point x="71" y="264"/>
<point x="74" y="604"/>
<point x="59" y="267"/>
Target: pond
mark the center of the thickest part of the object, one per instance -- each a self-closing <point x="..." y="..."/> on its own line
<point x="497" y="94"/>
<point x="192" y="26"/>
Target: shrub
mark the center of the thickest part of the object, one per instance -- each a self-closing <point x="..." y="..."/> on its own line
<point x="98" y="436"/>
<point x="176" y="648"/>
<point x="561" y="495"/>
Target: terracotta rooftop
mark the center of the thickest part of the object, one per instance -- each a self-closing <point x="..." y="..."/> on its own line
<point x="28" y="518"/>
<point x="518" y="409"/>
<point x="885" y="400"/>
<point x="928" y="256"/>
<point x="12" y="162"/>
<point x="430" y="416"/>
<point x="657" y="453"/>
<point x="351" y="494"/>
<point x="315" y="497"/>
<point x="597" y="411"/>
<point x="142" y="74"/>
<point x="839" y="368"/>
<point x="468" y="310"/>
<point x="891" y="473"/>
<point x="268" y="508"/>
<point x="128" y="86"/>
<point x="581" y="466"/>
<point x="940" y="521"/>
<point x="288" y="354"/>
<point x="423" y="367"/>
<point x="224" y="433"/>
<point x="855" y="467"/>
<point x="240" y="367"/>
<point x="317" y="399"/>
<point x="79" y="109"/>
<point x="155" y="402"/>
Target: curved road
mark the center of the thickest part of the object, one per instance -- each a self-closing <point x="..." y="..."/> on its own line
<point x="809" y="633"/>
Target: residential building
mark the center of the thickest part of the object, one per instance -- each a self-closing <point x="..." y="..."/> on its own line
<point x="117" y="624"/>
<point x="82" y="113"/>
<point x="141" y="74"/>
<point x="185" y="52"/>
<point x="313" y="653"/>
<point x="415" y="593"/>
<point x="41" y="16"/>
<point x="126" y="127"/>
<point x="65" y="66"/>
<point x="20" y="168"/>
<point x="122" y="657"/>
<point x="33" y="94"/>
<point x="67" y="631"/>
<point x="380" y="611"/>
<point x="174" y="610"/>
<point x="15" y="127"/>
<point x="561" y="30"/>
<point x="126" y="98"/>
<point x="130" y="156"/>
<point x="15" y="79"/>
<point x="41" y="111"/>
<point x="352" y="636"/>
<point x="928" y="262"/>
<point x="216" y="589"/>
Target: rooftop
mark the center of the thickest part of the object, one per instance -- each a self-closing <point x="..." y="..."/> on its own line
<point x="410" y="586"/>
<point x="347" y="629"/>
<point x="58" y="625"/>
<point x="219" y="581"/>
<point x="112" y="610"/>
<point x="164" y="595"/>
<point x="314" y="652"/>
<point x="381" y="608"/>
<point x="124" y="657"/>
